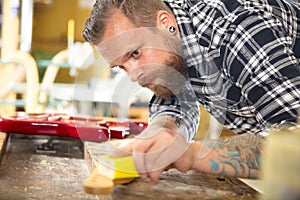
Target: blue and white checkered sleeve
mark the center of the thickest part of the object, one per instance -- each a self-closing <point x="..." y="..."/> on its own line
<point x="184" y="107"/>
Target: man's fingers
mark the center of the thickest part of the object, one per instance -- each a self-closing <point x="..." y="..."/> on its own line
<point x="123" y="150"/>
<point x="119" y="153"/>
<point x="139" y="162"/>
<point x="161" y="157"/>
<point x="140" y="150"/>
<point x="155" y="153"/>
<point x="154" y="176"/>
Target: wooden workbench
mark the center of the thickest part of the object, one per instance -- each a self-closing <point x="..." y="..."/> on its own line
<point x="173" y="184"/>
<point x="3" y="141"/>
<point x="26" y="174"/>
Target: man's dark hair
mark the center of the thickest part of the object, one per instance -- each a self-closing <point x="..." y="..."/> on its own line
<point x="142" y="13"/>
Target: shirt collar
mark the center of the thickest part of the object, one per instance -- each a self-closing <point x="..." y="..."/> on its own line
<point x="191" y="48"/>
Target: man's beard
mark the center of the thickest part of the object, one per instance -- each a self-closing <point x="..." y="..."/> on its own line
<point x="171" y="77"/>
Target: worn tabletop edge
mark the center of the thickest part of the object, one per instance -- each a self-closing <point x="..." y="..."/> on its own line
<point x="3" y="144"/>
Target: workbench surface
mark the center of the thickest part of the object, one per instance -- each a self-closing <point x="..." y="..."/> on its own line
<point x="174" y="184"/>
<point x="27" y="175"/>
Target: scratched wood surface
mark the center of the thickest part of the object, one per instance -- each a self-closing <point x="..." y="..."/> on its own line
<point x="28" y="175"/>
<point x="173" y="184"/>
<point x="3" y="141"/>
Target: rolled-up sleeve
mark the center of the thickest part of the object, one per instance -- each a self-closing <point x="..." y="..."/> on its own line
<point x="183" y="106"/>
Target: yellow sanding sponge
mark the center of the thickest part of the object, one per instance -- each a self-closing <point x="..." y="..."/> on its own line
<point x="117" y="168"/>
<point x="110" y="172"/>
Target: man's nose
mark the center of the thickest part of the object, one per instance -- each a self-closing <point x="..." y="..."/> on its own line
<point x="135" y="73"/>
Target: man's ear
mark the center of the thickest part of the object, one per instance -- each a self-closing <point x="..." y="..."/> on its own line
<point x="165" y="19"/>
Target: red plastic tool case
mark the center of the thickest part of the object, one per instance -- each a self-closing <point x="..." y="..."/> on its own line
<point x="89" y="129"/>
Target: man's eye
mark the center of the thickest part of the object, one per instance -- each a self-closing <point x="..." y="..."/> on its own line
<point x="136" y="53"/>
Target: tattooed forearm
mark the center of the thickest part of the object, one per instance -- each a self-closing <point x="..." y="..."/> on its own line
<point x="236" y="156"/>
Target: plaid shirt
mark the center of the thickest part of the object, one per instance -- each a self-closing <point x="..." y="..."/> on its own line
<point x="243" y="58"/>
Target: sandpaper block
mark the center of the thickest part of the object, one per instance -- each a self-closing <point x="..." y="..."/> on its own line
<point x="110" y="172"/>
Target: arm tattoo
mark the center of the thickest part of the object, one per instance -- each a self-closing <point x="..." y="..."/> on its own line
<point x="238" y="156"/>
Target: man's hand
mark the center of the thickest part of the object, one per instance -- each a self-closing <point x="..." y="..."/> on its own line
<point x="157" y="149"/>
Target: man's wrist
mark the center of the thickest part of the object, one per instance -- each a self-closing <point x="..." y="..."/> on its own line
<point x="165" y="121"/>
<point x="198" y="156"/>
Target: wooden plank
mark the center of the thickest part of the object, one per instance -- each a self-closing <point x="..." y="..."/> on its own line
<point x="172" y="184"/>
<point x="3" y="142"/>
